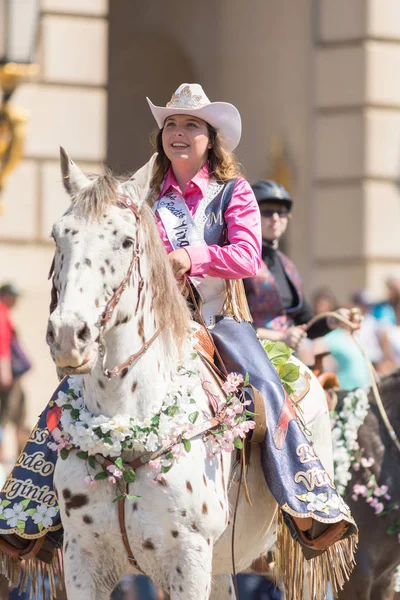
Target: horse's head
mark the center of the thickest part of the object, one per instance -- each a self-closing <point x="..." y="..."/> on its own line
<point x="96" y="245"/>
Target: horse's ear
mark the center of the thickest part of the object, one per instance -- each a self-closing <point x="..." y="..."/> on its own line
<point x="74" y="179"/>
<point x="138" y="185"/>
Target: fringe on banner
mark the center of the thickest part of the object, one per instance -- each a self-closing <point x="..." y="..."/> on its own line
<point x="22" y="572"/>
<point x="334" y="566"/>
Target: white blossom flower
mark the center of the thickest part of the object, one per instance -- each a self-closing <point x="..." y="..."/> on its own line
<point x="15" y="514"/>
<point x="316" y="501"/>
<point x="44" y="515"/>
<point x="152" y="442"/>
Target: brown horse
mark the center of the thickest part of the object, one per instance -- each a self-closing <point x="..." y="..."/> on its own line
<point x="378" y="552"/>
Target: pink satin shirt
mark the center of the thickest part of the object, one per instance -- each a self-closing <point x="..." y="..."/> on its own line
<point x="242" y="257"/>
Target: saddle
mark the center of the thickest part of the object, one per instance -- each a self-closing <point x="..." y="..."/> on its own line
<point x="207" y="352"/>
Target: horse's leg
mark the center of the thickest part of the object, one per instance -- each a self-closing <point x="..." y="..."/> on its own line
<point x="222" y="587"/>
<point x="87" y="577"/>
<point x="190" y="577"/>
<point x="359" y="586"/>
<point x="383" y="587"/>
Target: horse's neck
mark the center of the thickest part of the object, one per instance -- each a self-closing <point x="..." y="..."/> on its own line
<point x="139" y="390"/>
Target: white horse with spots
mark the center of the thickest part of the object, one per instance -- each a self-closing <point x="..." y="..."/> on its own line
<point x="180" y="530"/>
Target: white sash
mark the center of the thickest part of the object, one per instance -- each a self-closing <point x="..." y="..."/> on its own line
<point x="184" y="230"/>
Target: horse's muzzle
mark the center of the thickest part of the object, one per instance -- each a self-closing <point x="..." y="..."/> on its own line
<point x="72" y="342"/>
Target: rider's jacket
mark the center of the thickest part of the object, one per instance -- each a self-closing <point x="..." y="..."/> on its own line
<point x="275" y="294"/>
<point x="233" y="218"/>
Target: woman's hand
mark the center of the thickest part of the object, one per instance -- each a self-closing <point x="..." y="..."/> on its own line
<point x="354" y="315"/>
<point x="180" y="262"/>
<point x="293" y="336"/>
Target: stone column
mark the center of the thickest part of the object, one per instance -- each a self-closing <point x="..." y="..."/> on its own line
<point x="357" y="144"/>
<point x="67" y="106"/>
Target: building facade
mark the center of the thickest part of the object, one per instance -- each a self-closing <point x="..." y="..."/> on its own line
<point x="320" y="76"/>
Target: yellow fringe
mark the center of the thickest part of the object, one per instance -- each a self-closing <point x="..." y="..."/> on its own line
<point x="236" y="301"/>
<point x="22" y="572"/>
<point x="334" y="566"/>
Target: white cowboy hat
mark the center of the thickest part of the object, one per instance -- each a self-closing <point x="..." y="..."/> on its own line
<point x="190" y="99"/>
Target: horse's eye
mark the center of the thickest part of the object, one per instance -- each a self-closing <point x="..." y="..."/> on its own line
<point x="127" y="243"/>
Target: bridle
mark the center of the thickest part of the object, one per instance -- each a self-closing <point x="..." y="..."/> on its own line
<point x="111" y="305"/>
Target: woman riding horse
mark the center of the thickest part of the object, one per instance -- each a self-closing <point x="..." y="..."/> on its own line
<point x="209" y="220"/>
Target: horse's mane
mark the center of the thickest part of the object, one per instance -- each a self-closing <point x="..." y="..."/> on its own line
<point x="168" y="303"/>
<point x="93" y="200"/>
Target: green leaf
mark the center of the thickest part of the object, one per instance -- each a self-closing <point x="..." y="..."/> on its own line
<point x="75" y="412"/>
<point x="391" y="530"/>
<point x="289" y="372"/>
<point x="129" y="476"/>
<point x="31" y="511"/>
<point x="40" y="526"/>
<point x="108" y="440"/>
<point x="67" y="406"/>
<point x="193" y="417"/>
<point x="288" y="387"/>
<point x="119" y="464"/>
<point x="24" y="503"/>
<point x="101" y="475"/>
<point x="3" y="518"/>
<point x="187" y="445"/>
<point x="64" y="453"/>
<point x="132" y="497"/>
<point x="277" y="351"/>
<point x="119" y="498"/>
<point x="237" y="442"/>
<point x="21" y="526"/>
<point x="6" y="503"/>
<point x="82" y="454"/>
<point x="166" y="469"/>
<point x="92" y="462"/>
<point x="246" y="379"/>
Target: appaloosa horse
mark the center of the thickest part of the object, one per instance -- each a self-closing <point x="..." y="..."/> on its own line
<point x="109" y="255"/>
<point x="378" y="553"/>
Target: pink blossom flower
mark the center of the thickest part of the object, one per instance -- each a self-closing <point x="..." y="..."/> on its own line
<point x="177" y="450"/>
<point x="355" y="497"/>
<point x="367" y="462"/>
<point x="232" y="382"/>
<point x="89" y="480"/>
<point x="111" y="479"/>
<point x="360" y="490"/>
<point x="356" y="466"/>
<point x="378" y="508"/>
<point x="113" y="469"/>
<point x="155" y="465"/>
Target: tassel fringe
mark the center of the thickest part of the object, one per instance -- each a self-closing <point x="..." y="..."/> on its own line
<point x="334" y="566"/>
<point x="32" y="571"/>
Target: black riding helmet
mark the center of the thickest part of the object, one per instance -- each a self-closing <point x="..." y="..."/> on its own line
<point x="269" y="191"/>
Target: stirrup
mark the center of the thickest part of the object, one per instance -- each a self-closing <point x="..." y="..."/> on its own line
<point x="319" y="538"/>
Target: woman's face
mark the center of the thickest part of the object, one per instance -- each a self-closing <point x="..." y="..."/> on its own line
<point x="186" y="140"/>
<point x="274" y="220"/>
